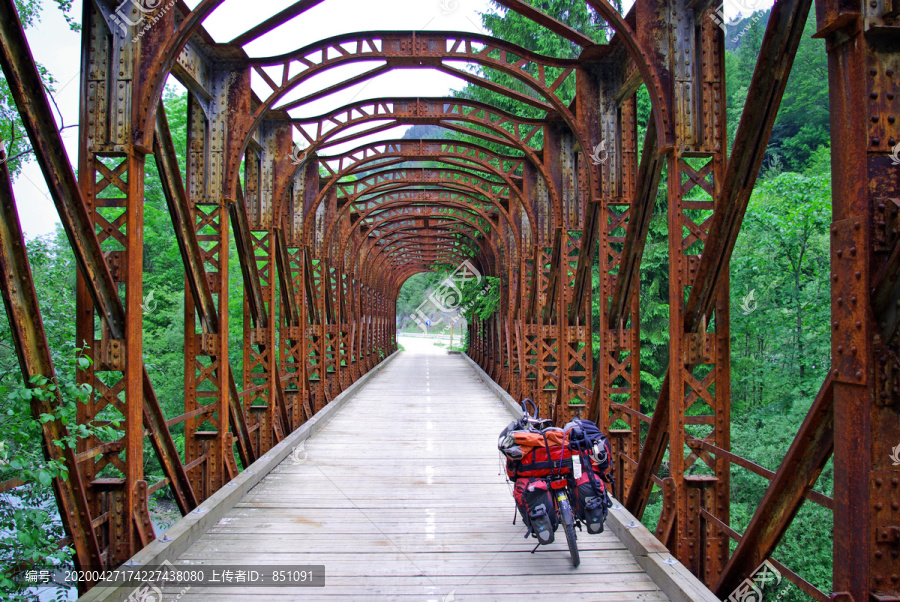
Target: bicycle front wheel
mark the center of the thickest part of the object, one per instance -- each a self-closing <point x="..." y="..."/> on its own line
<point x="569" y="527"/>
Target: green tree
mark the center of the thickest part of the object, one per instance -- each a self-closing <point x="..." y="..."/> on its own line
<point x="803" y="122"/>
<point x="12" y="131"/>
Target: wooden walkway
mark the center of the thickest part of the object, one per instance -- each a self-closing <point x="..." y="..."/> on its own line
<point x="400" y="496"/>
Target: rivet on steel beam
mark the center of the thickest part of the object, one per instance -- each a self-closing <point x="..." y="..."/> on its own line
<point x="878" y="482"/>
<point x="840" y="349"/>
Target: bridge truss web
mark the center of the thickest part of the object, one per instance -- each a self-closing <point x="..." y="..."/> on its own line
<point x="326" y="237"/>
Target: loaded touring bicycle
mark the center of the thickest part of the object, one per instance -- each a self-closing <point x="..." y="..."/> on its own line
<point x="559" y="476"/>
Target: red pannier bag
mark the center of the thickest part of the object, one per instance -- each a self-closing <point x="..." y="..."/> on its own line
<point x="591" y="501"/>
<point x="542" y="461"/>
<point x="535" y="504"/>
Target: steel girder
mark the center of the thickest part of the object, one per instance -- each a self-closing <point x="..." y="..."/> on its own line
<point x="516" y="131"/>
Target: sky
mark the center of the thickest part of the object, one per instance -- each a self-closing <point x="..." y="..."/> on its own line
<point x="57" y="48"/>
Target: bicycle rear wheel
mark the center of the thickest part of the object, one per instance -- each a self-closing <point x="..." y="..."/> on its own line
<point x="569" y="527"/>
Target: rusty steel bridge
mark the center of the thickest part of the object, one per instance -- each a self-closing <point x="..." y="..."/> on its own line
<point x="325" y="241"/>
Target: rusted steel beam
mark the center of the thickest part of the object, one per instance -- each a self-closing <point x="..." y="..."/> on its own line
<point x="797" y="473"/>
<point x="180" y="212"/>
<point x="28" y="92"/>
<point x="581" y="281"/>
<point x="20" y="300"/>
<point x="588" y="114"/>
<point x="427" y="110"/>
<point x="887" y="287"/>
<point x="863" y="55"/>
<point x="548" y="312"/>
<point x="776" y="56"/>
<point x="243" y="242"/>
<point x="27" y="89"/>
<point x="648" y="63"/>
<point x="238" y="421"/>
<point x="165" y="61"/>
<point x="164" y="446"/>
<point x="176" y="199"/>
<point x="730" y="207"/>
<point x="628" y="278"/>
<point x="282" y="17"/>
<point x="288" y="300"/>
<point x="652" y="453"/>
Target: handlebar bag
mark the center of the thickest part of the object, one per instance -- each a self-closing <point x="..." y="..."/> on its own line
<point x="545" y="453"/>
<point x="515" y="443"/>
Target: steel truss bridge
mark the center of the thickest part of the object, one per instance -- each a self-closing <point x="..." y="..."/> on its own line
<point x="326" y="239"/>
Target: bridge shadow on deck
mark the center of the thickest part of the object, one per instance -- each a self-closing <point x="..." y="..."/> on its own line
<point x="401" y="496"/>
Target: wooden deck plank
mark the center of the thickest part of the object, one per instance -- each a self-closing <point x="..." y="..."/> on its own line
<point x="402" y="496"/>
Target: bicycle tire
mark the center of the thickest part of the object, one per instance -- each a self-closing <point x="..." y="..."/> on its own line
<point x="569" y="527"/>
